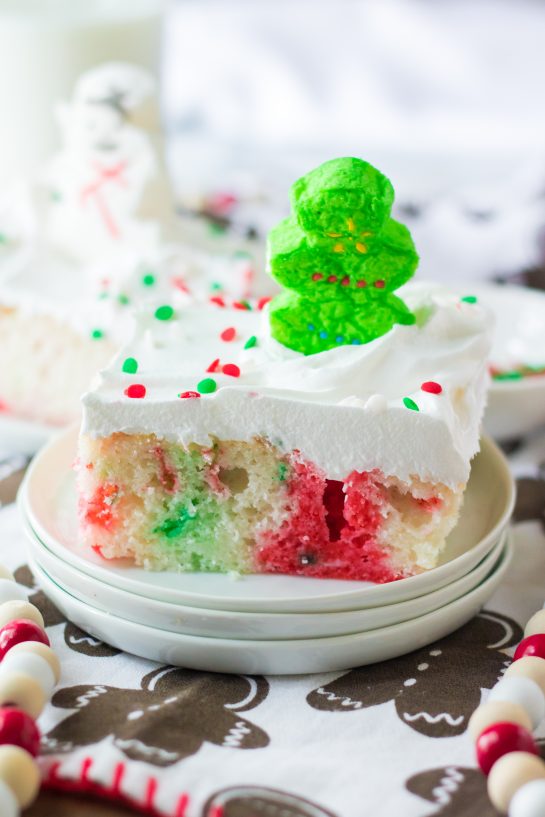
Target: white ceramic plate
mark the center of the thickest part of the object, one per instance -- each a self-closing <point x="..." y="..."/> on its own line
<point x="47" y="498"/>
<point x="222" y="624"/>
<point x="23" y="436"/>
<point x="282" y="657"/>
<point x="515" y="407"/>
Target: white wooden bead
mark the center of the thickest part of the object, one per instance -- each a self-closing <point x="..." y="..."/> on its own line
<point x="510" y="773"/>
<point x="20" y="772"/>
<point x="32" y="665"/>
<point x="536" y="625"/>
<point x="11" y="610"/>
<point x="529" y="800"/>
<point x="11" y="591"/>
<point x="529" y="666"/>
<point x="522" y="691"/>
<point x="23" y="692"/>
<point x="497" y="712"/>
<point x="37" y="648"/>
<point x="5" y="573"/>
<point x="9" y="807"/>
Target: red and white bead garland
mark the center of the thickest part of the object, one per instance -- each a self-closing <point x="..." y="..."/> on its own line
<point x="29" y="671"/>
<point x="502" y="729"/>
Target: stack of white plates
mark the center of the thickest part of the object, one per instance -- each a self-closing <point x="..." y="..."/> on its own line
<point x="263" y="624"/>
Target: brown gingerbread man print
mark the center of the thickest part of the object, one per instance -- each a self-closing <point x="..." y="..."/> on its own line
<point x="261" y="801"/>
<point x="76" y="639"/>
<point x="530" y="504"/>
<point x="435" y="689"/>
<point x="456" y="790"/>
<point x="168" y="719"/>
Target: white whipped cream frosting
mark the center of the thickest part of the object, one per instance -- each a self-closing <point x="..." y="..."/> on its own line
<point x="342" y="409"/>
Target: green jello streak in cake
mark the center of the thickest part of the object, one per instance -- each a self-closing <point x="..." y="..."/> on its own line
<point x="191" y="515"/>
<point x="174" y="526"/>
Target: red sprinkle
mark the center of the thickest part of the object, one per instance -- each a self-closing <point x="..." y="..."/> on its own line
<point x="217" y="299"/>
<point x="136" y="390"/>
<point x="331" y="279"/>
<point x="317" y="276"/>
<point x="189" y="394"/>
<point x="214" y="366"/>
<point x="432" y="387"/>
<point x="231" y="369"/>
<point x="345" y="281"/>
<point x="263" y="302"/>
<point x="180" y="284"/>
<point x="228" y="334"/>
<point x="361" y="283"/>
<point x="380" y="284"/>
<point x="241" y="305"/>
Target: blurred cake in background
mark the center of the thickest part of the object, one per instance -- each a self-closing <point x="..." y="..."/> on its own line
<point x="92" y="239"/>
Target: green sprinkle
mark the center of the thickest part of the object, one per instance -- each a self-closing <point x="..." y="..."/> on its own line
<point x="54" y="195"/>
<point x="3" y="239"/>
<point x="469" y="299"/>
<point x="282" y="471"/>
<point x="216" y="286"/>
<point x="97" y="334"/>
<point x="103" y="296"/>
<point x="123" y="299"/>
<point x="130" y="365"/>
<point x="215" y="228"/>
<point x="251" y="342"/>
<point x="410" y="404"/>
<point x="207" y="386"/>
<point x="242" y="254"/>
<point x="508" y="376"/>
<point x="148" y="279"/>
<point x="164" y="313"/>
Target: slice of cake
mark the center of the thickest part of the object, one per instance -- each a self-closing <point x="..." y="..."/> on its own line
<point x="329" y="434"/>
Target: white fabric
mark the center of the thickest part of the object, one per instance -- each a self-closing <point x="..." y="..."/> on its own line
<point x="339" y="760"/>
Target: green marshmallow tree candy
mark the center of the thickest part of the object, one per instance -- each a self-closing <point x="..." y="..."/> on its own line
<point x="339" y="258"/>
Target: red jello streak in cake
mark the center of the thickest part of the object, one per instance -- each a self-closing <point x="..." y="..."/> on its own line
<point x="332" y="530"/>
<point x="98" y="510"/>
<point x="430" y="505"/>
<point x="166" y="471"/>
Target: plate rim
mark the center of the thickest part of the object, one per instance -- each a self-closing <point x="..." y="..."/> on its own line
<point x="243" y="618"/>
<point x="463" y="609"/>
<point x="401" y="590"/>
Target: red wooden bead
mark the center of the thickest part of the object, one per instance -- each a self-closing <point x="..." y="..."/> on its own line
<point x="19" y="729"/>
<point x="500" y="739"/>
<point x="533" y="645"/>
<point x="20" y="629"/>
